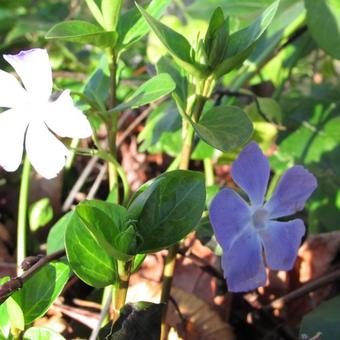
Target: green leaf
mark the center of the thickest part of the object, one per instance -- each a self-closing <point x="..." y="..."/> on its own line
<point x="82" y="32"/>
<point x="176" y="44"/>
<point x="141" y="320"/>
<point x="15" y="314"/>
<point x="56" y="236"/>
<point x="41" y="290"/>
<point x="40" y="213"/>
<point x="39" y="333"/>
<point x="155" y="88"/>
<point x="242" y="42"/>
<point x="132" y="27"/>
<point x="323" y="20"/>
<point x="97" y="14"/>
<point x="5" y="325"/>
<point x="323" y="320"/>
<point x="111" y="11"/>
<point x="180" y="94"/>
<point x="224" y="127"/>
<point x="168" y="209"/>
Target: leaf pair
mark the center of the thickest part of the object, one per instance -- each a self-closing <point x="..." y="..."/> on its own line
<point x="100" y="233"/>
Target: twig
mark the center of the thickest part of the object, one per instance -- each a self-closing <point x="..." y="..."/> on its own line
<point x="308" y="287"/>
<point x="14" y="284"/>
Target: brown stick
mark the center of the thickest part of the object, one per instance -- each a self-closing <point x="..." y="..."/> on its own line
<point x="14" y="284"/>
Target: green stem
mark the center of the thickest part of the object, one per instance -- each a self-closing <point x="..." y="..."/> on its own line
<point x="22" y="213"/>
<point x="209" y="172"/>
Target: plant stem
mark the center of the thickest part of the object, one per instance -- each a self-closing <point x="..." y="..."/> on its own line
<point x="22" y="213"/>
<point x="209" y="172"/>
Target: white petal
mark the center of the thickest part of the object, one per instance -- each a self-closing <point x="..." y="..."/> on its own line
<point x="12" y="132"/>
<point x="34" y="68"/>
<point x="46" y="153"/>
<point x="65" y="119"/>
<point x="11" y="92"/>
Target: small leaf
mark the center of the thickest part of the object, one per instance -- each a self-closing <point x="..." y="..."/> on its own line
<point x="5" y="325"/>
<point x="97" y="14"/>
<point x="39" y="333"/>
<point x="56" y="236"/>
<point x="41" y="290"/>
<point x="111" y="11"/>
<point x="15" y="314"/>
<point x="176" y="44"/>
<point x="40" y="213"/>
<point x="168" y="209"/>
<point x="132" y="27"/>
<point x="224" y="127"/>
<point x="323" y="320"/>
<point x="82" y="32"/>
<point x="155" y="88"/>
<point x="241" y="43"/>
<point x="137" y="321"/>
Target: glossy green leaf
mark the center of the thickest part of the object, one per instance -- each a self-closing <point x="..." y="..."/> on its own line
<point x="323" y="320"/>
<point x="82" y="32"/>
<point x="15" y="314"/>
<point x="111" y="11"/>
<point x="224" y="127"/>
<point x="40" y="213"/>
<point x="84" y="243"/>
<point x="155" y="88"/>
<point x="242" y="42"/>
<point x="97" y="14"/>
<point x="176" y="44"/>
<point x="168" y="209"/>
<point x="41" y="290"/>
<point x="132" y="27"/>
<point x="137" y="321"/>
<point x="56" y="236"/>
<point x="323" y="20"/>
<point x="40" y="333"/>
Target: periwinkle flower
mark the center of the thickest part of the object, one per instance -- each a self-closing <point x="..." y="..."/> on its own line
<point x="32" y="114"/>
<point x="250" y="235"/>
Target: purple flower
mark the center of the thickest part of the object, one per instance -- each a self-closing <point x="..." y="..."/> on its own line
<point x="250" y="233"/>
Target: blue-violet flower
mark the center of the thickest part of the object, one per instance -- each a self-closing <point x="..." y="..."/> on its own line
<point x="250" y="235"/>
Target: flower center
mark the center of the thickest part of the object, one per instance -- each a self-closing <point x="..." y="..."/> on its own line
<point x="260" y="217"/>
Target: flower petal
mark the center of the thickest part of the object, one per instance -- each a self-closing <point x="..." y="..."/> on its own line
<point x="229" y="214"/>
<point x="281" y="241"/>
<point x="290" y="195"/>
<point x="65" y="119"/>
<point x="46" y="153"/>
<point x="251" y="172"/>
<point x="34" y="68"/>
<point x="243" y="264"/>
<point x="12" y="132"/>
<point x="11" y="92"/>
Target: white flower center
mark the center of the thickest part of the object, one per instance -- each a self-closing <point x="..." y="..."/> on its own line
<point x="260" y="217"/>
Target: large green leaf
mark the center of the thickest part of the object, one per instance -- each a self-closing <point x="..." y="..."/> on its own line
<point x="111" y="11"/>
<point x="168" y="209"/>
<point x="84" y="251"/>
<point x="137" y="321"/>
<point x="39" y="333"/>
<point x="82" y="32"/>
<point x="323" y="320"/>
<point x="41" y="290"/>
<point x="323" y="20"/>
<point x="176" y="44"/>
<point x="224" y="127"/>
<point x="242" y="42"/>
<point x="132" y="27"/>
<point x="155" y="88"/>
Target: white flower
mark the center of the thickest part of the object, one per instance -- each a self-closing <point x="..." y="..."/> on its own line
<point x="32" y="115"/>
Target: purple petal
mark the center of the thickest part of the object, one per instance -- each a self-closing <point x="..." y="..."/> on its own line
<point x="281" y="241"/>
<point x="294" y="188"/>
<point x="251" y="172"/>
<point x="243" y="264"/>
<point x="229" y="214"/>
